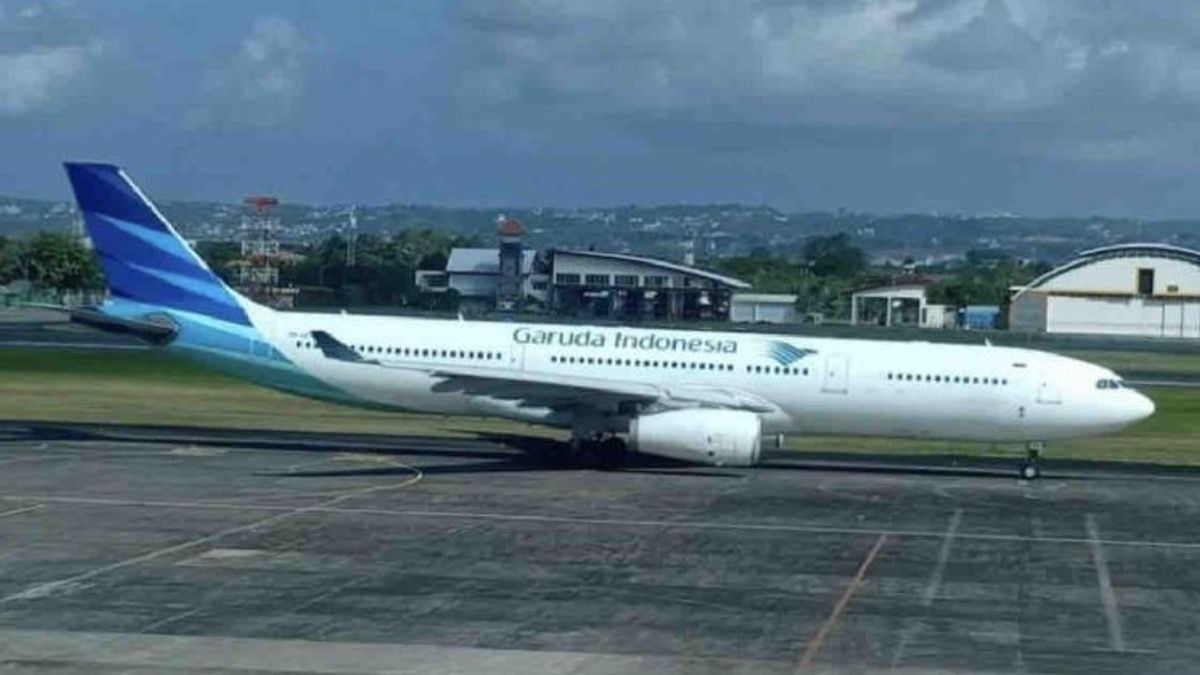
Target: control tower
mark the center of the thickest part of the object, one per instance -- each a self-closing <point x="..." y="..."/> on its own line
<point x="510" y="285"/>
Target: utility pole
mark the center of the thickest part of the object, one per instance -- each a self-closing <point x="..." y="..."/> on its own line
<point x="352" y="240"/>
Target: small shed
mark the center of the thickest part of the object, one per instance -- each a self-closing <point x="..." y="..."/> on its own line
<point x="896" y="305"/>
<point x="763" y="308"/>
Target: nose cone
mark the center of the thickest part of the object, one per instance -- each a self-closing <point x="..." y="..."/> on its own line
<point x="1130" y="408"/>
<point x="1141" y="406"/>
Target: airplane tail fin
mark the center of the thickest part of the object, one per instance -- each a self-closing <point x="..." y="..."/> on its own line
<point x="144" y="259"/>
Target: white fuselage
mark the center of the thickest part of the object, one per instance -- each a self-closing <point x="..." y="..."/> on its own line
<point x="813" y="385"/>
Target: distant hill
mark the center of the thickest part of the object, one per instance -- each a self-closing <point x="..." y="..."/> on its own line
<point x="714" y="230"/>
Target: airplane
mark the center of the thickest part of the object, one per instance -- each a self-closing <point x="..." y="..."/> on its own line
<point x="699" y="396"/>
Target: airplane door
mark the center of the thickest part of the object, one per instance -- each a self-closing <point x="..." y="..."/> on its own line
<point x="1048" y="393"/>
<point x="835" y="379"/>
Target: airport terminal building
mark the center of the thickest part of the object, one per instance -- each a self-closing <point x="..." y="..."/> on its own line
<point x="1150" y="290"/>
<point x="580" y="283"/>
<point x="593" y="283"/>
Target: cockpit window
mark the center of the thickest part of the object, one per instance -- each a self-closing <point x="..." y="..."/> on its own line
<point x="1108" y="384"/>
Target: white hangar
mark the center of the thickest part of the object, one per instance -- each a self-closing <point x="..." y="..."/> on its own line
<point x="1130" y="289"/>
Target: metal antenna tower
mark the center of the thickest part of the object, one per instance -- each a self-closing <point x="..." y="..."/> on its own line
<point x="352" y="240"/>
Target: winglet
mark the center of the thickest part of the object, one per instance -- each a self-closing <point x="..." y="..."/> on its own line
<point x="334" y="349"/>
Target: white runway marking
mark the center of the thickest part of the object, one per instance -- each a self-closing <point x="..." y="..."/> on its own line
<point x="17" y="512"/>
<point x="1116" y="635"/>
<point x="931" y="590"/>
<point x="616" y="522"/>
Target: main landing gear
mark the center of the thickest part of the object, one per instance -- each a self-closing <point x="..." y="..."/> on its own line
<point x="599" y="451"/>
<point x="1030" y="469"/>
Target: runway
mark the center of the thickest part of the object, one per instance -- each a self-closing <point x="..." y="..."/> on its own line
<point x="180" y="550"/>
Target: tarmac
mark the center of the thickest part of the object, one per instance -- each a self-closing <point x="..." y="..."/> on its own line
<point x="157" y="550"/>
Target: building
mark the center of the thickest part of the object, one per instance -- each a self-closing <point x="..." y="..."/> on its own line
<point x="980" y="317"/>
<point x="583" y="283"/>
<point x="762" y="308"/>
<point x="1128" y="289"/>
<point x="902" y="304"/>
<point x="592" y="283"/>
<point x="475" y="275"/>
<point x="510" y="284"/>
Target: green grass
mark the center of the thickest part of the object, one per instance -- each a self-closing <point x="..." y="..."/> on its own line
<point x="148" y="387"/>
<point x="1141" y="362"/>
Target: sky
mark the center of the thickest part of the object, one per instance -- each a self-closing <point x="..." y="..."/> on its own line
<point x="1041" y="107"/>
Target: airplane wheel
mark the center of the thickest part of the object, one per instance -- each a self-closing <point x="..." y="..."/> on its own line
<point x="611" y="452"/>
<point x="1030" y="470"/>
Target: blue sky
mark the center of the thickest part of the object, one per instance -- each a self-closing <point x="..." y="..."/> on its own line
<point x="976" y="106"/>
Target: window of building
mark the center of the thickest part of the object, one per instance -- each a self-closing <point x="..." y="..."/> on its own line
<point x="1145" y="281"/>
<point x="655" y="281"/>
<point x="566" y="278"/>
<point x="628" y="280"/>
<point x="539" y="285"/>
<point x="597" y="280"/>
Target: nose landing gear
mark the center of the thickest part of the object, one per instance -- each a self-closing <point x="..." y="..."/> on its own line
<point x="1030" y="468"/>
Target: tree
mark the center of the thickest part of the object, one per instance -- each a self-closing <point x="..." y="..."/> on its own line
<point x="59" y="260"/>
<point x="383" y="270"/>
<point x="12" y="259"/>
<point x="220" y="255"/>
<point x="834" y="255"/>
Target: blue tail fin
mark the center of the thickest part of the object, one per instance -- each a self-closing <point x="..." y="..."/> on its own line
<point x="144" y="258"/>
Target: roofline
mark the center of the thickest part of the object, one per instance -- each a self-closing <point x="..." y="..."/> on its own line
<point x="1146" y="246"/>
<point x="528" y="256"/>
<point x="1108" y="252"/>
<point x="868" y="289"/>
<point x="781" y="298"/>
<point x="655" y="262"/>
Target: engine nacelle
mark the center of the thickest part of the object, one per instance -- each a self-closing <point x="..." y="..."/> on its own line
<point x="720" y="437"/>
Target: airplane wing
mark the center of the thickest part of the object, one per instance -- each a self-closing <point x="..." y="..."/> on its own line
<point x="553" y="391"/>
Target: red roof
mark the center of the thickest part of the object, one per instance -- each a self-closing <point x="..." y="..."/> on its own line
<point x="510" y="227"/>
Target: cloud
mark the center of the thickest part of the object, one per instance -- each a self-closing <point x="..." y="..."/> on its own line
<point x="264" y="81"/>
<point x="1021" y="72"/>
<point x="37" y="61"/>
<point x="31" y="80"/>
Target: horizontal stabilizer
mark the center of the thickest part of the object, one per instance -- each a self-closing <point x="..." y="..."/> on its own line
<point x="334" y="349"/>
<point x="155" y="329"/>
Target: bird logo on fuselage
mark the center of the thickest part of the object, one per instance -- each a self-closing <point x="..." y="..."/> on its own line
<point x="786" y="354"/>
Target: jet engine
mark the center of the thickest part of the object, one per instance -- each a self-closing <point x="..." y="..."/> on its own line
<point x="719" y="437"/>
